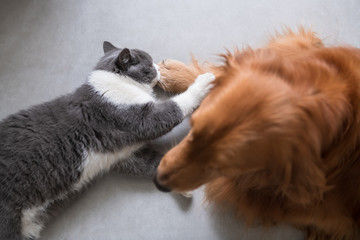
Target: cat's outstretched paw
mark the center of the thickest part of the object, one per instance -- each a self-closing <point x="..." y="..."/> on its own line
<point x="203" y="84"/>
<point x="192" y="97"/>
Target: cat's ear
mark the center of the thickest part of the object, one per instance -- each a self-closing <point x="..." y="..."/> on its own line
<point x="107" y="46"/>
<point x="124" y="59"/>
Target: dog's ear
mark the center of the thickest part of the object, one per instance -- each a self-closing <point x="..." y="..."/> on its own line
<point x="302" y="181"/>
<point x="288" y="160"/>
<point x="296" y="169"/>
<point x="318" y="121"/>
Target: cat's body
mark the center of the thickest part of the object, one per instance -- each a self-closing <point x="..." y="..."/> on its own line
<point x="54" y="149"/>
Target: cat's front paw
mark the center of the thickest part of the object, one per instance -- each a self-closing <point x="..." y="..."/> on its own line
<point x="202" y="85"/>
<point x="192" y="97"/>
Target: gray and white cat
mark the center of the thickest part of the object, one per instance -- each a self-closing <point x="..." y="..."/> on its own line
<point x="52" y="150"/>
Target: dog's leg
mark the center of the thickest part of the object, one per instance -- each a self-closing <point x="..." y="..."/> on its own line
<point x="176" y="76"/>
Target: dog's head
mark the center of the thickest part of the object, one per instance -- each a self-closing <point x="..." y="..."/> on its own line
<point x="255" y="124"/>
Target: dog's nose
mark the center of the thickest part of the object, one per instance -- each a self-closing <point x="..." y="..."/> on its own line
<point x="159" y="186"/>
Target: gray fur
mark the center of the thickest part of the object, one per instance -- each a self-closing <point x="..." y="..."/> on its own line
<point x="133" y="63"/>
<point x="42" y="148"/>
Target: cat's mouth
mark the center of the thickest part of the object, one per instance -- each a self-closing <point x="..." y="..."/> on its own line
<point x="157" y="77"/>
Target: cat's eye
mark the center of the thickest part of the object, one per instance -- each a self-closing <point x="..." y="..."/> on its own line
<point x="134" y="61"/>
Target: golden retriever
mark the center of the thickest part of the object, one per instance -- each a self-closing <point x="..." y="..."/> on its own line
<point x="278" y="137"/>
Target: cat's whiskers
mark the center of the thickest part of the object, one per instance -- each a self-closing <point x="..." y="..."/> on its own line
<point x="164" y="86"/>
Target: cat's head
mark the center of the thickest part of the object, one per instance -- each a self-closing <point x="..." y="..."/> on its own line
<point x="133" y="63"/>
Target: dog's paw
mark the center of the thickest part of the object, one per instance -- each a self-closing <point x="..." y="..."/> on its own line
<point x="163" y="64"/>
<point x="187" y="194"/>
<point x="172" y="65"/>
<point x="169" y="68"/>
<point x="176" y="77"/>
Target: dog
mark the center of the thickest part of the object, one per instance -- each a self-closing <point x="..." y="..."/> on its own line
<point x="278" y="136"/>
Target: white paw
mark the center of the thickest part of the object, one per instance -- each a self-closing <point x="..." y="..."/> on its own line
<point x="203" y="81"/>
<point x="205" y="78"/>
<point x="202" y="85"/>
<point x="192" y="97"/>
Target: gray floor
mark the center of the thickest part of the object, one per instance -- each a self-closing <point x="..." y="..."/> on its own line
<point x="47" y="48"/>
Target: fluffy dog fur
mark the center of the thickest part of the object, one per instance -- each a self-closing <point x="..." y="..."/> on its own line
<point x="278" y="136"/>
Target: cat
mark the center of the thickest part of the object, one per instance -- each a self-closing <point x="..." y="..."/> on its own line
<point x="54" y="149"/>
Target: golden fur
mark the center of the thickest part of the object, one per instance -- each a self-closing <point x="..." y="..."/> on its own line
<point x="278" y="136"/>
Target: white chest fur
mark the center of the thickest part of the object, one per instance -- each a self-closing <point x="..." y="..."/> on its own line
<point x="119" y="89"/>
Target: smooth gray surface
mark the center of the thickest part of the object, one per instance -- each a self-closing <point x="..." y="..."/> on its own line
<point x="48" y="47"/>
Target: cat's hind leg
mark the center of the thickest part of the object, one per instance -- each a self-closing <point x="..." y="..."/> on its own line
<point x="142" y="163"/>
<point x="32" y="221"/>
